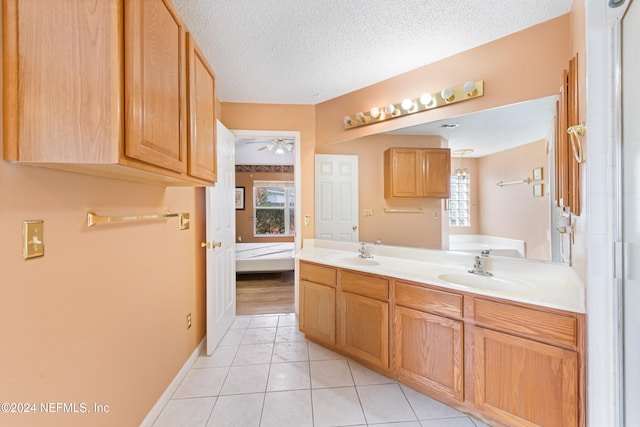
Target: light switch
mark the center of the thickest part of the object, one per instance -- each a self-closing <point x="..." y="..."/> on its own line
<point x="32" y="239"/>
<point x="367" y="212"/>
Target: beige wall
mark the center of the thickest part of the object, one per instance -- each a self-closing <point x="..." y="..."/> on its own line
<point x="101" y="317"/>
<point x="512" y="211"/>
<point x="301" y="118"/>
<point x="245" y="218"/>
<point x="520" y="67"/>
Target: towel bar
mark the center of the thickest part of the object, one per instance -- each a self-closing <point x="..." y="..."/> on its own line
<point x="95" y="219"/>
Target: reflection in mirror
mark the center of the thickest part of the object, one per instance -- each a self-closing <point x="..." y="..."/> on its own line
<point x="502" y="198"/>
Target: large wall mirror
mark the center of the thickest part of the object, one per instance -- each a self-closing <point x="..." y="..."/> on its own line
<point x="507" y="156"/>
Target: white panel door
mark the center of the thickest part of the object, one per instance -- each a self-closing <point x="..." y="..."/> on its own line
<point x="336" y="189"/>
<point x="220" y="244"/>
<point x="631" y="210"/>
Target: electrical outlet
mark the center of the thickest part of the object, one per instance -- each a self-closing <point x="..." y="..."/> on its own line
<point x="434" y="213"/>
<point x="188" y="320"/>
<point x="32" y="239"/>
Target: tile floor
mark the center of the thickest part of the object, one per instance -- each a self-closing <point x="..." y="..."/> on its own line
<point x="265" y="373"/>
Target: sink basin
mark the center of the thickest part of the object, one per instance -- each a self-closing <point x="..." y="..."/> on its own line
<point x="486" y="282"/>
<point x="354" y="260"/>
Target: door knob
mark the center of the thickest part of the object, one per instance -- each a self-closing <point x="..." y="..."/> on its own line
<point x="355" y="227"/>
<point x="210" y="245"/>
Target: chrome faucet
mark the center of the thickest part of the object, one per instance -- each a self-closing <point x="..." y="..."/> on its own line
<point x="364" y="253"/>
<point x="478" y="268"/>
<point x="485" y="253"/>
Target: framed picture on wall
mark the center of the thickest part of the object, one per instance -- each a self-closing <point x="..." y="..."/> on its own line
<point x="239" y="198"/>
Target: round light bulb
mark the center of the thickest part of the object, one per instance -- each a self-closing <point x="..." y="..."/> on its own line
<point x="390" y="109"/>
<point x="375" y="112"/>
<point x="407" y="104"/>
<point x="447" y="94"/>
<point x="470" y="88"/>
<point x="425" y="99"/>
<point x="360" y="116"/>
<point x="347" y="121"/>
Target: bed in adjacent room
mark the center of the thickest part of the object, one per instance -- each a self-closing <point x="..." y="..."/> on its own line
<point x="264" y="257"/>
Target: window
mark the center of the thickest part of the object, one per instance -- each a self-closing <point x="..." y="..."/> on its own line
<point x="274" y="203"/>
<point x="459" y="203"/>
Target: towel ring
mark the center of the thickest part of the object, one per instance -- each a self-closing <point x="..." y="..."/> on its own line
<point x="576" y="132"/>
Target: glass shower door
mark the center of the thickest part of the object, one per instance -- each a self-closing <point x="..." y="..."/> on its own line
<point x="630" y="62"/>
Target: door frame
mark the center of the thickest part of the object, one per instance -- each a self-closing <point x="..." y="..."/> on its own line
<point x="604" y="395"/>
<point x="297" y="239"/>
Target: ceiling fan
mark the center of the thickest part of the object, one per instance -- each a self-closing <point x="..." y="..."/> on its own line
<point x="279" y="145"/>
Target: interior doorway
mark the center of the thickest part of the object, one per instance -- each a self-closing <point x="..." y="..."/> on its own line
<point x="268" y="220"/>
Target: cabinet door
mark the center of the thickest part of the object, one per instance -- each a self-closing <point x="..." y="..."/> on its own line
<point x="403" y="172"/>
<point x="437" y="171"/>
<point x="202" y="114"/>
<point x="318" y="311"/>
<point x="62" y="81"/>
<point x="523" y="382"/>
<point x="363" y="328"/>
<point x="155" y="84"/>
<point x="429" y="350"/>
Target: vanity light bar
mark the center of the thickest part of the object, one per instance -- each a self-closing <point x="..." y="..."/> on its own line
<point x="427" y="101"/>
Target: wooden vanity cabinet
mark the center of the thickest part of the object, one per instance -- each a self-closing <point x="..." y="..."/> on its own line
<point x="526" y="365"/>
<point x="363" y="317"/>
<point x="429" y="340"/>
<point x="318" y="302"/>
<point x="514" y="363"/>
<point x="100" y="90"/>
<point x="417" y="172"/>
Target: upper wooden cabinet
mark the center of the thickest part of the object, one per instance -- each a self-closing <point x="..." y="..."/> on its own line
<point x="417" y="172"/>
<point x="155" y="84"/>
<point x="103" y="90"/>
<point x="202" y="114"/>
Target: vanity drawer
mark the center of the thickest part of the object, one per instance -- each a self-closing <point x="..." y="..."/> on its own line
<point x="426" y="299"/>
<point x="537" y="324"/>
<point x="364" y="284"/>
<point x="318" y="274"/>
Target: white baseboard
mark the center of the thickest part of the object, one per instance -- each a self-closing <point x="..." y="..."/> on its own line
<point x="166" y="396"/>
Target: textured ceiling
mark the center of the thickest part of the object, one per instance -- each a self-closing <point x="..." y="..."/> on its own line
<point x="306" y="52"/>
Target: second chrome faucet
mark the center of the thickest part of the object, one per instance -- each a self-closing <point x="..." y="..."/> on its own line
<point x="478" y="268"/>
<point x="364" y="253"/>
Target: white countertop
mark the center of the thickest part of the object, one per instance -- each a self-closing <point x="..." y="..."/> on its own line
<point x="534" y="282"/>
